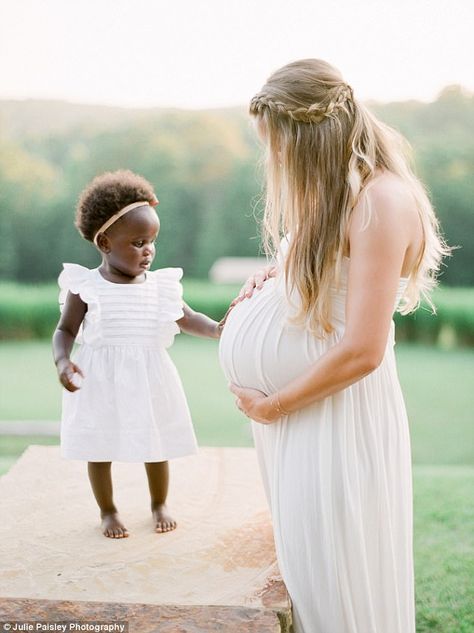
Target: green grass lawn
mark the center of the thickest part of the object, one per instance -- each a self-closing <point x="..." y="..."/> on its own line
<point x="444" y="548"/>
<point x="439" y="395"/>
<point x="29" y="389"/>
<point x="437" y="385"/>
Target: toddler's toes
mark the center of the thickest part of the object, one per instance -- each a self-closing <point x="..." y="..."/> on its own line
<point x="163" y="521"/>
<point x="112" y="527"/>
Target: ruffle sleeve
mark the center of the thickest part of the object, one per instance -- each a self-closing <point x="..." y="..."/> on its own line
<point x="170" y="302"/>
<point x="79" y="280"/>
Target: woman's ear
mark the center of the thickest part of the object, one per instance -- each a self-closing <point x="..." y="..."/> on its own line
<point x="103" y="243"/>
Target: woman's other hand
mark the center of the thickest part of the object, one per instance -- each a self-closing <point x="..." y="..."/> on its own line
<point x="255" y="404"/>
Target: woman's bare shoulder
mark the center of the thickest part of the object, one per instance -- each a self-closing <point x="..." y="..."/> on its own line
<point x="386" y="199"/>
<point x="387" y="213"/>
<point x="389" y="191"/>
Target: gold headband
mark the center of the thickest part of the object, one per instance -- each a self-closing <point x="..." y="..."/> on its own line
<point x="118" y="215"/>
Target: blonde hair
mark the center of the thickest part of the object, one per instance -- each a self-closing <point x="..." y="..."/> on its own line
<point x="323" y="150"/>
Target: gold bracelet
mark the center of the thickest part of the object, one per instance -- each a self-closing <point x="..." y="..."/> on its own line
<point x="279" y="408"/>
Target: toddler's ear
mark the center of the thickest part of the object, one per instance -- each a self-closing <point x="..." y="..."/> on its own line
<point x="103" y="243"/>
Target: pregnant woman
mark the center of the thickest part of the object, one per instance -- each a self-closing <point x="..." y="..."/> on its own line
<point x="310" y="356"/>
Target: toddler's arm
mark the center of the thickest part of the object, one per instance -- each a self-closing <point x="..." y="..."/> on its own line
<point x="63" y="339"/>
<point x="199" y="324"/>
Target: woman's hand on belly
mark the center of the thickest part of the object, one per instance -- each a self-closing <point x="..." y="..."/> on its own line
<point x="255" y="282"/>
<point x="255" y="404"/>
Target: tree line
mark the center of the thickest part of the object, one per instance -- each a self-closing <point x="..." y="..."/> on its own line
<point x="205" y="169"/>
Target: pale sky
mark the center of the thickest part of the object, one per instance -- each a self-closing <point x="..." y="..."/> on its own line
<point x="213" y="53"/>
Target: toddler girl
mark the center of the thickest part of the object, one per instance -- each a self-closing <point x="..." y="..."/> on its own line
<point x="123" y="398"/>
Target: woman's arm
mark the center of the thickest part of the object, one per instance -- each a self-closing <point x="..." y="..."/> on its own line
<point x="377" y="254"/>
<point x="198" y="324"/>
<point x="63" y="339"/>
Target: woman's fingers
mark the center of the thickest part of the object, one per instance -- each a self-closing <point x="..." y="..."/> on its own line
<point x="247" y="289"/>
<point x="236" y="390"/>
<point x="256" y="281"/>
<point x="259" y="278"/>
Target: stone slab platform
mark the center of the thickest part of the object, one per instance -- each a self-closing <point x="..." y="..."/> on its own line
<point x="216" y="572"/>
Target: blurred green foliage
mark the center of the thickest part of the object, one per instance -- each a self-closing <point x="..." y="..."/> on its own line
<point x="31" y="311"/>
<point x="452" y="325"/>
<point x="204" y="166"/>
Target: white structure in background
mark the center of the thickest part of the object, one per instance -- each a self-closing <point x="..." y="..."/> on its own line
<point x="228" y="270"/>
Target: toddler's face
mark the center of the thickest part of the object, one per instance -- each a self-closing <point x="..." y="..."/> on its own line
<point x="131" y="241"/>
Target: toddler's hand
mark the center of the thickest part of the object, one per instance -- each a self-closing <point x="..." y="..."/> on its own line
<point x="69" y="373"/>
<point x="220" y="325"/>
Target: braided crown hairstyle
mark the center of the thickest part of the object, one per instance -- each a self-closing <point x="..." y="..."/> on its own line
<point x="334" y="99"/>
<point x="323" y="148"/>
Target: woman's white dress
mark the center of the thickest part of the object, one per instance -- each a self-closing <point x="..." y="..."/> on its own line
<point x="131" y="405"/>
<point x="337" y="473"/>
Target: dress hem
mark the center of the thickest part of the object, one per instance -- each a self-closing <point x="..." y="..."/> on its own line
<point x="134" y="460"/>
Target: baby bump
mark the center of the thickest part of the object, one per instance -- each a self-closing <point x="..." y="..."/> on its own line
<point x="259" y="348"/>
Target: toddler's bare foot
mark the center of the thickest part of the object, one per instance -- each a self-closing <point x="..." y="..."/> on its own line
<point x="112" y="526"/>
<point x="163" y="521"/>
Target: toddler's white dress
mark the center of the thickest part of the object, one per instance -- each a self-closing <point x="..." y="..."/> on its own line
<point x="131" y="405"/>
<point x="337" y="473"/>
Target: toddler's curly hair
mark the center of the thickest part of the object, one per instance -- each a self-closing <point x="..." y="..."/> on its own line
<point x="106" y="195"/>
